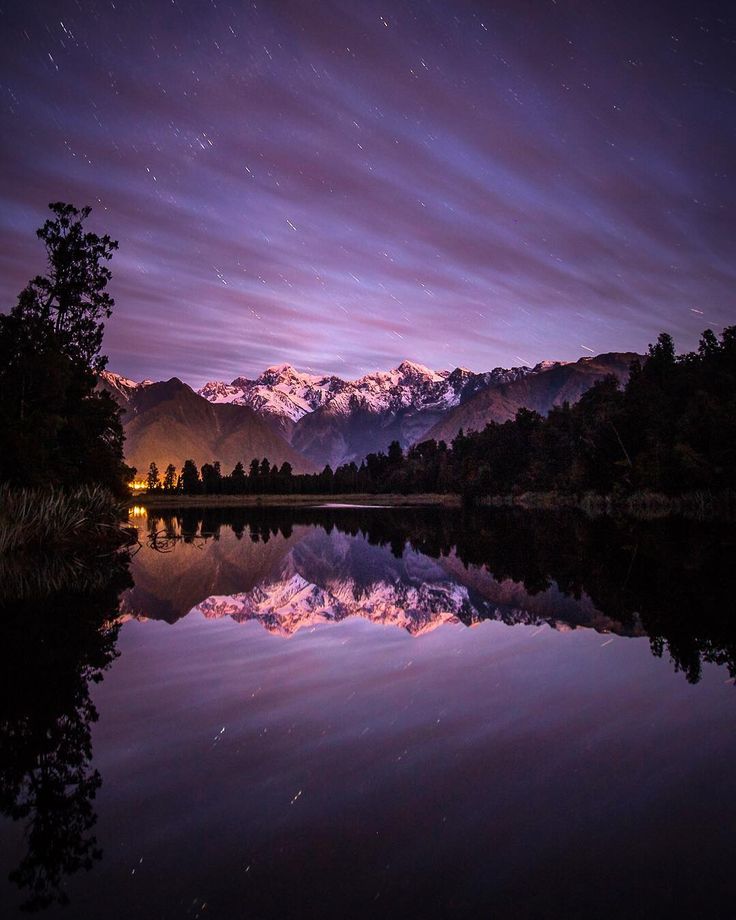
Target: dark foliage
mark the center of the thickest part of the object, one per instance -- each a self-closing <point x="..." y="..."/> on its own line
<point x="671" y="429"/>
<point x="57" y="429"/>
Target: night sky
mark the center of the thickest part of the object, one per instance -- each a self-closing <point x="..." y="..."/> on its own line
<point x="340" y="186"/>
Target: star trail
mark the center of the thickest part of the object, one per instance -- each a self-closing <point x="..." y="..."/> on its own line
<point x="343" y="185"/>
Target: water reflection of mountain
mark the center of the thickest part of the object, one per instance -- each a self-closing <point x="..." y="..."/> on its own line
<point x="330" y="577"/>
<point x="417" y="568"/>
<point x="301" y="576"/>
<point x="173" y="578"/>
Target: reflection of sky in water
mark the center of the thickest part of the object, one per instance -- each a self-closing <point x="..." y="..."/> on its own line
<point x="501" y="770"/>
<point x="472" y="765"/>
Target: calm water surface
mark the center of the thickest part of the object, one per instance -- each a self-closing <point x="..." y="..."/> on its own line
<point x="341" y="713"/>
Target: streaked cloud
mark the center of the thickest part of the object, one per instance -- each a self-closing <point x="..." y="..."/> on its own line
<point x="344" y="185"/>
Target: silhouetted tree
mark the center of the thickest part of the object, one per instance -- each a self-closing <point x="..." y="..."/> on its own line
<point x="238" y="479"/>
<point x="153" y="480"/>
<point x="190" y="483"/>
<point x="57" y="429"/>
<point x="72" y="295"/>
<point x="395" y="454"/>
<point x="170" y="478"/>
<point x="211" y="478"/>
<point x="53" y="647"/>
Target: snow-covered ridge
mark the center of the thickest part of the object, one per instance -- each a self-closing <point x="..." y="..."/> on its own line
<point x="287" y="394"/>
<point x="121" y="385"/>
<point x="280" y="390"/>
<point x="283" y="391"/>
<point x="548" y="365"/>
<point x="291" y="603"/>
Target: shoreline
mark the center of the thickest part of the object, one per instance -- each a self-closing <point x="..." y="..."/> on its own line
<point x="370" y="500"/>
<point x="701" y="505"/>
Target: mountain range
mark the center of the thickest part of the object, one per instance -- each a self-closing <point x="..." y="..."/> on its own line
<point x="310" y="420"/>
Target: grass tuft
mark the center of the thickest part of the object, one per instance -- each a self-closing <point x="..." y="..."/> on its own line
<point x="55" y="519"/>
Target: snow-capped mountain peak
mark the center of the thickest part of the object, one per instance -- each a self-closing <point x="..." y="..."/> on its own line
<point x="281" y="391"/>
<point x="547" y="365"/>
<point x="410" y="370"/>
<point x="286" y="375"/>
<point x="288" y="394"/>
<point x="215" y="391"/>
<point x="117" y="380"/>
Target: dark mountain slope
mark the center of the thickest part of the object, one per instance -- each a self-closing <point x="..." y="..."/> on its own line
<point x="399" y="405"/>
<point x="539" y="391"/>
<point x="335" y="438"/>
<point x="169" y="423"/>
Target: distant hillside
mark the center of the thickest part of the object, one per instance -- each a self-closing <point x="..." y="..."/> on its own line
<point x="550" y="386"/>
<point x="169" y="423"/>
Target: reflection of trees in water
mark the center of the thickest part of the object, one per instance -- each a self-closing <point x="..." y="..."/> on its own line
<point x="50" y="651"/>
<point x="194" y="525"/>
<point x="672" y="576"/>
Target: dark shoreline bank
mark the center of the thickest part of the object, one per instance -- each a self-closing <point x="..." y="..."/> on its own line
<point x="645" y="505"/>
<point x="286" y="501"/>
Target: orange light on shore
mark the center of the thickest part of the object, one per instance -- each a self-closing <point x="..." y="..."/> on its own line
<point x="138" y="485"/>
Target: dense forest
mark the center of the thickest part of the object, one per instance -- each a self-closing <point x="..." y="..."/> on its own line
<point x="671" y="429"/>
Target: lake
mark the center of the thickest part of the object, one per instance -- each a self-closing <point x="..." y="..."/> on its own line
<point x="336" y="712"/>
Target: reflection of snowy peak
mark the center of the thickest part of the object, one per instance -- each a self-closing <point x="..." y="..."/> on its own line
<point x="286" y="606"/>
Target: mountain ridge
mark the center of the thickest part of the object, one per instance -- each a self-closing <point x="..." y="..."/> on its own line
<point x="167" y="422"/>
<point x="311" y="420"/>
<point x="290" y="395"/>
<point x="540" y="391"/>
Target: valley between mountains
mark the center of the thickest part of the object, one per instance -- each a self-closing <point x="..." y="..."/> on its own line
<point x="309" y="421"/>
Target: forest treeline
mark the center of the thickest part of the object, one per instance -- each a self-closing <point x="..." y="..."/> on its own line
<point x="670" y="429"/>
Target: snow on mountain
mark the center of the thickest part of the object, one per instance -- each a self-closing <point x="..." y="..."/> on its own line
<point x="334" y="421"/>
<point x="292" y="603"/>
<point x="471" y="383"/>
<point x="280" y="390"/>
<point x="290" y="394"/>
<point x="122" y="386"/>
<point x="287" y="394"/>
<point x="547" y="365"/>
<point x="217" y="392"/>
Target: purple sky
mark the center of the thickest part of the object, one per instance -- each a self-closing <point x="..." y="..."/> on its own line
<point x="340" y="186"/>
